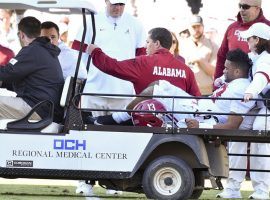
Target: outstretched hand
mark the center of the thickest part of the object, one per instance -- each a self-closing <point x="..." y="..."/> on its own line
<point x="192" y="123"/>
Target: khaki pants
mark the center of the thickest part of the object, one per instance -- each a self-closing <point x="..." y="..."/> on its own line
<point x="15" y="108"/>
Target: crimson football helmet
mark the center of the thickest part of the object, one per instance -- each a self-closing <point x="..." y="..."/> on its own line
<point x="141" y="118"/>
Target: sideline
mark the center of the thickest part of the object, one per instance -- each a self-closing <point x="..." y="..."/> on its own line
<point x="246" y="185"/>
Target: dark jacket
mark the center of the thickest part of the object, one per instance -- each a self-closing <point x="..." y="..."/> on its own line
<point x="36" y="75"/>
<point x="232" y="40"/>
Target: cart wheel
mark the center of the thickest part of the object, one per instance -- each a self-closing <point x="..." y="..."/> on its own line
<point x="168" y="177"/>
<point x="199" y="182"/>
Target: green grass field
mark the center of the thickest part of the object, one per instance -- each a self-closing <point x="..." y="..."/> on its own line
<point x="37" y="192"/>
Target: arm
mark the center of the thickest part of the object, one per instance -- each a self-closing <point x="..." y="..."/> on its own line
<point x="221" y="57"/>
<point x="18" y="67"/>
<point x="206" y="66"/>
<point x="259" y="82"/>
<point x="208" y="62"/>
<point x="233" y="122"/>
<point x="127" y="69"/>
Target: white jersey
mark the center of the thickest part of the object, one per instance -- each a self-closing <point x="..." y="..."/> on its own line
<point x="261" y="75"/>
<point x="68" y="62"/>
<point x="118" y="38"/>
<point x="175" y="104"/>
<point x="235" y="89"/>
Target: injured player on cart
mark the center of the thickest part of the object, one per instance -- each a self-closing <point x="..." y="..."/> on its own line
<point x="236" y="74"/>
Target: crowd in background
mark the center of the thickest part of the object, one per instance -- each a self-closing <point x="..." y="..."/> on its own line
<point x="68" y="28"/>
<point x="214" y="22"/>
<point x="195" y="41"/>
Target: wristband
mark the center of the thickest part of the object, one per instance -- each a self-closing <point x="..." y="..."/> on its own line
<point x="205" y="125"/>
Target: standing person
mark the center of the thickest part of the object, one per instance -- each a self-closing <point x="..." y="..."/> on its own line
<point x="258" y="36"/>
<point x="121" y="36"/>
<point x="158" y="64"/>
<point x="35" y="74"/>
<point x="63" y="29"/>
<point x="250" y="12"/>
<point x="200" y="55"/>
<point x="67" y="56"/>
<point x="175" y="47"/>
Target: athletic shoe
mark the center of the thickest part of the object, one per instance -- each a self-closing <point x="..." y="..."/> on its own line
<point x="259" y="194"/>
<point x="89" y="119"/>
<point x="84" y="189"/>
<point x="114" y="192"/>
<point x="229" y="194"/>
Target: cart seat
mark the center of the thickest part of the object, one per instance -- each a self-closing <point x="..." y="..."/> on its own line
<point x="51" y="128"/>
<point x="44" y="125"/>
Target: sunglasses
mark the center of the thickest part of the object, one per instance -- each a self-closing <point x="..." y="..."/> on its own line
<point x="245" y="6"/>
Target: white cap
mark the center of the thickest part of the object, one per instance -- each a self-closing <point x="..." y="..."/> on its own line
<point x="260" y="30"/>
<point x="117" y="1"/>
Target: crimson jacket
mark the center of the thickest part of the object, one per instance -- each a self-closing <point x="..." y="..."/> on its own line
<point x="143" y="70"/>
<point x="5" y="55"/>
<point x="232" y="40"/>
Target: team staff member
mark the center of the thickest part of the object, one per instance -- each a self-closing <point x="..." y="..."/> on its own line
<point x="159" y="64"/>
<point x="35" y="73"/>
<point x="121" y="36"/>
<point x="250" y="12"/>
<point x="258" y="36"/>
<point x="51" y="30"/>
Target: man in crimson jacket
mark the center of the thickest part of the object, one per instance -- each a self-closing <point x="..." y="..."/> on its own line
<point x="250" y="12"/>
<point x="158" y="64"/>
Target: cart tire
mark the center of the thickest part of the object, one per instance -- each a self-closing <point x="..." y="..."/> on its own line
<point x="199" y="182"/>
<point x="168" y="177"/>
